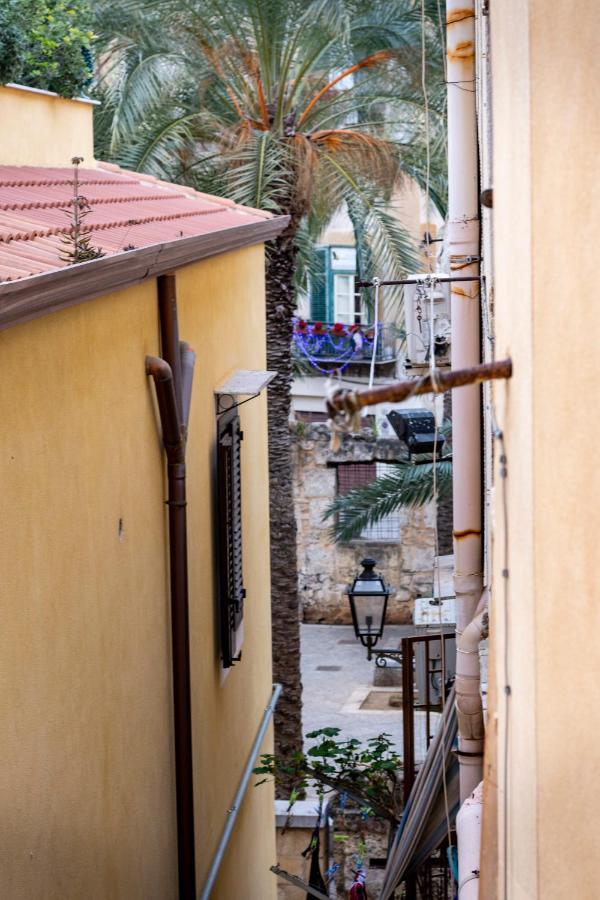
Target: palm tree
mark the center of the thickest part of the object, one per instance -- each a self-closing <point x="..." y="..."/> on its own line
<point x="410" y="485"/>
<point x="294" y="106"/>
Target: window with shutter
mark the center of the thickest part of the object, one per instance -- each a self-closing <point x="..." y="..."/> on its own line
<point x="229" y="494"/>
<point x="318" y="286"/>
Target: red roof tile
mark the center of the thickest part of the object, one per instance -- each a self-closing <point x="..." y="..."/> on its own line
<point x="127" y="209"/>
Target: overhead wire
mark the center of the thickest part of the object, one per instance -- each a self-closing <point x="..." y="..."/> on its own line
<point x="436" y="562"/>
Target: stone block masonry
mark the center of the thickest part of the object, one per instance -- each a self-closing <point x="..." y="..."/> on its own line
<point x="326" y="568"/>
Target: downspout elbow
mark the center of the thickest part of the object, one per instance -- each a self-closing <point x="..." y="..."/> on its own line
<point x="161" y="373"/>
<point x="468" y="696"/>
<point x="469" y="706"/>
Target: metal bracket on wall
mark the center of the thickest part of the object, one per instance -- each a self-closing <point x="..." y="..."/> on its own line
<point x="248" y="383"/>
<point x="382" y="656"/>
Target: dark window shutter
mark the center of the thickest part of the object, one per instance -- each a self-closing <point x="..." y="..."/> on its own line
<point x="229" y="493"/>
<point x="318" y="286"/>
<point x="354" y="475"/>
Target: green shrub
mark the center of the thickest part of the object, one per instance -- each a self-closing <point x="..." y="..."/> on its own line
<point x="46" y="44"/>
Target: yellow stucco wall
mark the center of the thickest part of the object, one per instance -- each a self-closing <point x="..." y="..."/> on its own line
<point x="546" y="207"/>
<point x="87" y="780"/>
<point x="227" y="330"/>
<point x="43" y="130"/>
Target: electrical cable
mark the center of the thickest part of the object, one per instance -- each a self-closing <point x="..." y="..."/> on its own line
<point x="436" y="572"/>
<point x="377" y="285"/>
<point x="436" y="565"/>
<point x="426" y="109"/>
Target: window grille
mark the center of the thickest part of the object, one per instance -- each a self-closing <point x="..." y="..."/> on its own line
<point x="355" y="475"/>
<point x="229" y="501"/>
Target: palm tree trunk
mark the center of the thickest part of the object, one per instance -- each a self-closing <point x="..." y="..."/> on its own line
<point x="284" y="579"/>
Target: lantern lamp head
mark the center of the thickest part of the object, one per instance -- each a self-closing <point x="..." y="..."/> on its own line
<point x="368" y="597"/>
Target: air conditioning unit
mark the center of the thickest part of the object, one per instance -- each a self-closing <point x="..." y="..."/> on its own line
<point x="419" y="326"/>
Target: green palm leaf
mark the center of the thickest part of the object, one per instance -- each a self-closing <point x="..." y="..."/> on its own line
<point x="409" y="486"/>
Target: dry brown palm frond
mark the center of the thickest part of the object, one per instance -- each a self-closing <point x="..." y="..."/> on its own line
<point x="213" y="59"/>
<point x="253" y="67"/>
<point x="306" y="159"/>
<point x="365" y="153"/>
<point x="374" y="59"/>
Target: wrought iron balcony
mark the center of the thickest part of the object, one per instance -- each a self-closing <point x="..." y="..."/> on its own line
<point x="336" y="346"/>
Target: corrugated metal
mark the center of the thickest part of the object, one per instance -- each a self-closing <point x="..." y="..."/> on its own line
<point x="423" y="823"/>
<point x="127" y="210"/>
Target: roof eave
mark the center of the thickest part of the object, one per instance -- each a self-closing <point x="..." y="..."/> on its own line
<point x="38" y="295"/>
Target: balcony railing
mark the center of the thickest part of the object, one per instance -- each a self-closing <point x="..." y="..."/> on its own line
<point x="336" y="345"/>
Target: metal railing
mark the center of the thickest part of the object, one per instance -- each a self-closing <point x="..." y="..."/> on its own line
<point x="326" y="342"/>
<point x="232" y="812"/>
<point x="422" y="668"/>
<point x="427" y="670"/>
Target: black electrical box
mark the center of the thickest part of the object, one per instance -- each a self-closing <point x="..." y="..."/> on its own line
<point x="416" y="427"/>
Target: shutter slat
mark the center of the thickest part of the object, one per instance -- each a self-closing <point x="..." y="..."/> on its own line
<point x="231" y="589"/>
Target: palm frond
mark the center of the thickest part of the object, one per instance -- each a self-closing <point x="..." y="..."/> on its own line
<point x="259" y="172"/>
<point x="408" y="487"/>
<point x="268" y="91"/>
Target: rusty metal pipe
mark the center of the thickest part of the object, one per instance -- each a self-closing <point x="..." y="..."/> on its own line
<point x="182" y="713"/>
<point x="173" y="433"/>
<point x="350" y="401"/>
<point x="169" y="332"/>
<point x="162" y="375"/>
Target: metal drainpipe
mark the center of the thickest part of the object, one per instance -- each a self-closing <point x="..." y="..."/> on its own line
<point x="174" y="429"/>
<point x="169" y="332"/>
<point x="463" y="242"/>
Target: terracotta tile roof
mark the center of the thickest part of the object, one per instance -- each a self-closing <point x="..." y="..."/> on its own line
<point x="127" y="209"/>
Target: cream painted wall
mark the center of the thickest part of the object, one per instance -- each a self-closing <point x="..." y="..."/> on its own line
<point x="222" y="314"/>
<point x="87" y="779"/>
<point x="546" y="206"/>
<point x="40" y="129"/>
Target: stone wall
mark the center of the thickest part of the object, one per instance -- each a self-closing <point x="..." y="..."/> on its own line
<point x="325" y="568"/>
<point x="294" y="831"/>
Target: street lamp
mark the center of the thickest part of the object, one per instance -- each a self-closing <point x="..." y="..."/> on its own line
<point x="368" y="598"/>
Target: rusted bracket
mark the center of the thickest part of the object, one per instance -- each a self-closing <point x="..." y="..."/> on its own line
<point x="438" y="382"/>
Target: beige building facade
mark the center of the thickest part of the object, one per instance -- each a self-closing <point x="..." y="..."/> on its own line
<point x="542" y="779"/>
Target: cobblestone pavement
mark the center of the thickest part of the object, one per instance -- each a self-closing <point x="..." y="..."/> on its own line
<point x="337" y="678"/>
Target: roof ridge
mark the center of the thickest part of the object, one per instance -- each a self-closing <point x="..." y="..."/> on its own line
<point x="190" y="191"/>
<point x="105" y="226"/>
<point x="62" y="204"/>
<point x="46" y="182"/>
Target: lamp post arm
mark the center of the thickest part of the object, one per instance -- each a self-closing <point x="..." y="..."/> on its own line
<point x="382" y="656"/>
